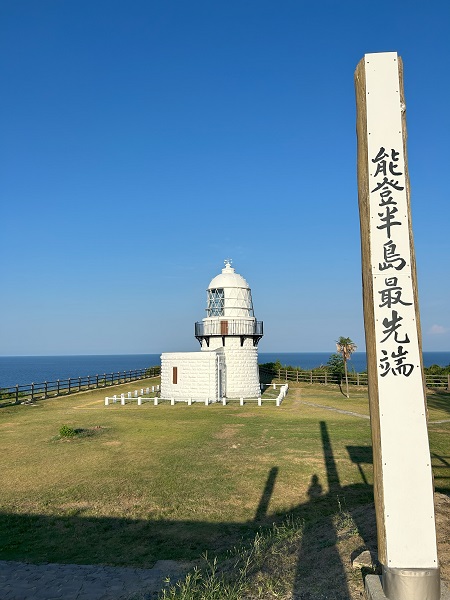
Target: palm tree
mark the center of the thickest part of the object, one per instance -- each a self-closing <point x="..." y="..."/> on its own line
<point x="346" y="347"/>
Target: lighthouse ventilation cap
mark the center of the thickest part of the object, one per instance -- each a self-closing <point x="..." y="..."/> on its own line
<point x="228" y="278"/>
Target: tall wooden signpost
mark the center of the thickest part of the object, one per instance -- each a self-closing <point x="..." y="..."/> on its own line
<point x="403" y="483"/>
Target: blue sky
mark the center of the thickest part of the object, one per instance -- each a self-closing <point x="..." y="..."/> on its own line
<point x="145" y="141"/>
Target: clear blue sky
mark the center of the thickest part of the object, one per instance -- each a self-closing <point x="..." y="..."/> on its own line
<point x="143" y="142"/>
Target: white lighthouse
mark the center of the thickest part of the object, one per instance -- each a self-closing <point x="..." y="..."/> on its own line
<point x="227" y="366"/>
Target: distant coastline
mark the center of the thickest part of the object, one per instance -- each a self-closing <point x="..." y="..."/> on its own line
<point x="28" y="369"/>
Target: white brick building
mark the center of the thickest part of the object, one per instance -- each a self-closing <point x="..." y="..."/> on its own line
<point x="227" y="366"/>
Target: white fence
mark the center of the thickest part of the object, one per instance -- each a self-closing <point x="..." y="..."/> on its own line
<point x="144" y="396"/>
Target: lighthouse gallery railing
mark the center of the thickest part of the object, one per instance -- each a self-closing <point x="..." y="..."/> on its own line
<point x="233" y="327"/>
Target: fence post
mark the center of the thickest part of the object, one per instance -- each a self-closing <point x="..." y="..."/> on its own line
<point x="279" y="373"/>
<point x="32" y="392"/>
<point x="297" y="375"/>
<point x="310" y="377"/>
<point x="326" y="379"/>
<point x="79" y="384"/>
<point x="89" y="381"/>
<point x="286" y="374"/>
<point x="45" y="389"/>
<point x="357" y="378"/>
<point x="69" y="385"/>
<point x="17" y="393"/>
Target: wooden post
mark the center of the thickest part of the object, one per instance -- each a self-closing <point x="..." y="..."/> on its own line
<point x="403" y="485"/>
<point x="17" y="393"/>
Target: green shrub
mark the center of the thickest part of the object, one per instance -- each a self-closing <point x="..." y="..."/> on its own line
<point x="67" y="431"/>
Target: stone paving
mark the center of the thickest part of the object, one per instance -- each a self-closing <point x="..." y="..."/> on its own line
<point x="24" y="581"/>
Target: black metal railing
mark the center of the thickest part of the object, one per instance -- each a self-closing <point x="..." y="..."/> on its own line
<point x="61" y="387"/>
<point x="229" y="327"/>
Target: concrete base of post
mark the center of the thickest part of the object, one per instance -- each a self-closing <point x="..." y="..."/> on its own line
<point x="407" y="587"/>
<point x="241" y="401"/>
<point x="155" y="402"/>
<point x="224" y="401"/>
<point x="259" y="401"/>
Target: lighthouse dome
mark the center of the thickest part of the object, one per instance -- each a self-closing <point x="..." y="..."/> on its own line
<point x="229" y="295"/>
<point x="228" y="279"/>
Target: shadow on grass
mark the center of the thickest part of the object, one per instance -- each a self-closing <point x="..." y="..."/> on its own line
<point x="439" y="400"/>
<point x="130" y="542"/>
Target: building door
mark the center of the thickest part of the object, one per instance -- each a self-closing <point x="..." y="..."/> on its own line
<point x="223" y="327"/>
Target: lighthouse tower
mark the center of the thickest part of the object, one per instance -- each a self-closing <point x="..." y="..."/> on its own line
<point x="227" y="366"/>
<point x="231" y="330"/>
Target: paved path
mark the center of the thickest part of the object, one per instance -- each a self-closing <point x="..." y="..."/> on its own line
<point x="23" y="581"/>
<point x="338" y="410"/>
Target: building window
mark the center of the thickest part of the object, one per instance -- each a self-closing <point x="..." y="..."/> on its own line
<point x="216" y="302"/>
<point x="175" y="375"/>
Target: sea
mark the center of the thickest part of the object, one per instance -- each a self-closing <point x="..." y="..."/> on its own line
<point x="23" y="370"/>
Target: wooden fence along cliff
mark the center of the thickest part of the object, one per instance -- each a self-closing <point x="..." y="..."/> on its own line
<point x="62" y="387"/>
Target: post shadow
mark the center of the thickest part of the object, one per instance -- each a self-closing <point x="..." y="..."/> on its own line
<point x="361" y="455"/>
<point x="320" y="538"/>
<point x="261" y="511"/>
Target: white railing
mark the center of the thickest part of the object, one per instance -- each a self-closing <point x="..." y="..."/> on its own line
<point x="143" y="396"/>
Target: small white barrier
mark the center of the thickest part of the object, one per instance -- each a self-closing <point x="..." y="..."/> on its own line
<point x="283" y="391"/>
<point x="140" y="398"/>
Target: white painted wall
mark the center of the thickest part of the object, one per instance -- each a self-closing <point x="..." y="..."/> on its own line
<point x="242" y="369"/>
<point x="197" y="375"/>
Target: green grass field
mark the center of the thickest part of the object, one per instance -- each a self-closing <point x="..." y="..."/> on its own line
<point x="173" y="482"/>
